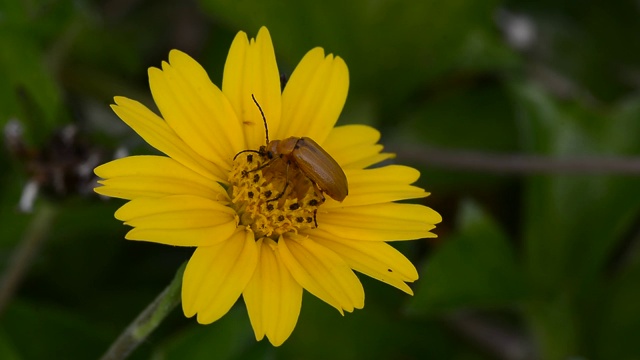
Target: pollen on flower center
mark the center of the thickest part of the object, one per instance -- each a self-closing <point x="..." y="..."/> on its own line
<point x="257" y="186"/>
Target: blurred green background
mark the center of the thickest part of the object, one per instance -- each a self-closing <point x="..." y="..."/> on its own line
<point x="526" y="266"/>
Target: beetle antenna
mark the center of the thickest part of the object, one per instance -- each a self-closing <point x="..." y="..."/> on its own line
<point x="244" y="151"/>
<point x="266" y="128"/>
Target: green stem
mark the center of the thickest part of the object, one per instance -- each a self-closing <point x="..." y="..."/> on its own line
<point x="148" y="320"/>
<point x="24" y="252"/>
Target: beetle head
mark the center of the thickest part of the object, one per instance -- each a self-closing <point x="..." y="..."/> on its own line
<point x="272" y="148"/>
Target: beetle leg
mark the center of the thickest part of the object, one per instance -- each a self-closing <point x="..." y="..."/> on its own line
<point x="315" y="220"/>
<point x="319" y="191"/>
<point x="315" y="212"/>
<point x="263" y="165"/>
<point x="285" y="185"/>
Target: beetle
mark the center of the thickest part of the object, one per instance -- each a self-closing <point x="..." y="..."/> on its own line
<point x="312" y="160"/>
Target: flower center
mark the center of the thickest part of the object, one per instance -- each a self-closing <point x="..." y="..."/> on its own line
<point x="271" y="196"/>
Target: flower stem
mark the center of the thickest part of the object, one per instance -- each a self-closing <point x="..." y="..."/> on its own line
<point x="24" y="252"/>
<point x="148" y="320"/>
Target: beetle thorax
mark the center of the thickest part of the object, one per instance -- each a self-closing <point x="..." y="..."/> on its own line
<point x="256" y="189"/>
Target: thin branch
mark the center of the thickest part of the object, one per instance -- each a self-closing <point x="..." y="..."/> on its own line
<point x="148" y="320"/>
<point x="24" y="252"/>
<point x="516" y="164"/>
<point x="504" y="344"/>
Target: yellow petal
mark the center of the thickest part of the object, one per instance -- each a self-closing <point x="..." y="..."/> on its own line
<point x="251" y="69"/>
<point x="196" y="109"/>
<point x="322" y="272"/>
<point x="154" y="176"/>
<point x="180" y="220"/>
<point x="355" y="146"/>
<point x="273" y="297"/>
<point x="314" y="96"/>
<point x="216" y="276"/>
<point x="380" y="185"/>
<point x="378" y="260"/>
<point x="380" y="222"/>
<point x="157" y="133"/>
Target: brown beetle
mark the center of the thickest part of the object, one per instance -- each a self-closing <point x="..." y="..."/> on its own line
<point x="314" y="162"/>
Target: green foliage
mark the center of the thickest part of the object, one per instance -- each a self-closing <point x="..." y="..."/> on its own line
<point x="552" y="256"/>
<point x="475" y="268"/>
<point x="569" y="237"/>
<point x="229" y="338"/>
<point x="400" y="45"/>
<point x="37" y="331"/>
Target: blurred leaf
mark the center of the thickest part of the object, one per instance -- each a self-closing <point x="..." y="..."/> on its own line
<point x="553" y="323"/>
<point x="228" y="338"/>
<point x="572" y="223"/>
<point x="564" y="213"/>
<point x="378" y="331"/>
<point x="395" y="44"/>
<point x="484" y="50"/>
<point x="475" y="107"/>
<point x="25" y="80"/>
<point x="7" y="350"/>
<point x="473" y="116"/>
<point x="594" y="46"/>
<point x="232" y="338"/>
<point x="618" y="335"/>
<point x="12" y="221"/>
<point x="27" y="88"/>
<point x="474" y="268"/>
<point x="38" y="331"/>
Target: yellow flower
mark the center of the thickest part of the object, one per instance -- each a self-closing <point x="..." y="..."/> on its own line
<point x="249" y="240"/>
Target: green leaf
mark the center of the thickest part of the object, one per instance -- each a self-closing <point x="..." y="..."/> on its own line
<point x="453" y="120"/>
<point x="585" y="44"/>
<point x="25" y="80"/>
<point x="27" y="88"/>
<point x="13" y="223"/>
<point x="36" y="331"/>
<point x="475" y="108"/>
<point x="379" y="331"/>
<point x="7" y="349"/>
<point x="474" y="268"/>
<point x="573" y="223"/>
<point x="397" y="45"/>
<point x="227" y="338"/>
<point x="553" y="324"/>
<point x="618" y="334"/>
<point x="565" y="213"/>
